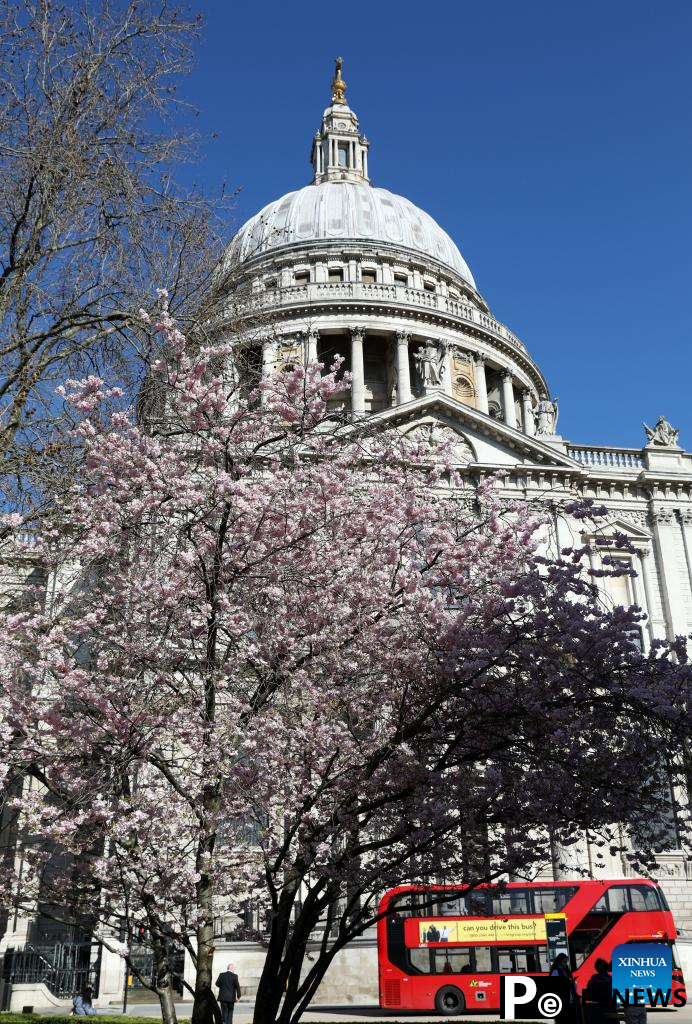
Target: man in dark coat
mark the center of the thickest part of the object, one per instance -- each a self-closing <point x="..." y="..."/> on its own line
<point x="229" y="990"/>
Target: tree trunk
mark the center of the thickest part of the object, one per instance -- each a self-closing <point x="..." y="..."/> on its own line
<point x="272" y="983"/>
<point x="205" y="1009"/>
<point x="168" y="1014"/>
<point x="164" y="987"/>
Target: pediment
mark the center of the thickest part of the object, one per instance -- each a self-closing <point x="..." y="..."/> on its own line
<point x="615" y="525"/>
<point x="475" y="437"/>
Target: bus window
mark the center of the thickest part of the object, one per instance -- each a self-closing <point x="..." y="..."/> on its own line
<point x="477" y="903"/>
<point x="422" y="960"/>
<point x="451" y="907"/>
<point x="512" y="901"/>
<point x="518" y="960"/>
<point x="404" y="905"/>
<point x="615" y="900"/>
<point x="441" y="961"/>
<point x="551" y="901"/>
<point x="621" y="898"/>
<point x="483" y="959"/>
<point x="644" y="897"/>
<point x="428" y="904"/>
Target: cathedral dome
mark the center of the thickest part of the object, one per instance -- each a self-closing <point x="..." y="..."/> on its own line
<point x="351" y="212"/>
<point x="342" y="269"/>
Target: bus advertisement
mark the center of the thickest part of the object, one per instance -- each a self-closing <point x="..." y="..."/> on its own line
<point x="446" y="948"/>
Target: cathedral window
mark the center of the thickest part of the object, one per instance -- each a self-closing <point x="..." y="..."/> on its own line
<point x="400" y="279"/>
<point x="302" y="277"/>
<point x="464" y="390"/>
<point x="271" y="283"/>
<point x="369" y="276"/>
<point x="428" y="286"/>
<point x="342" y="153"/>
<point x="335" y="274"/>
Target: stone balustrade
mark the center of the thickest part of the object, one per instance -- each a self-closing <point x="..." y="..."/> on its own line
<point x="621" y="460"/>
<point x="400" y="293"/>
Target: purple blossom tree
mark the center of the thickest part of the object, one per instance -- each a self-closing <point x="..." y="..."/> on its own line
<point x="283" y="658"/>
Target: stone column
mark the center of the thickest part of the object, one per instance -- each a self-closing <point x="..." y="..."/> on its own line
<point x="268" y="358"/>
<point x="481" y="385"/>
<point x="685" y="516"/>
<point x="527" y="412"/>
<point x="640" y="592"/>
<point x="665" y="527"/>
<point x="403" y="369"/>
<point x="447" y="366"/>
<point x="508" y="410"/>
<point x="657" y="625"/>
<point x="310" y="346"/>
<point x="358" y="372"/>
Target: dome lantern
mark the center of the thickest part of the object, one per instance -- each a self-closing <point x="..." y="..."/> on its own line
<point x="339" y="150"/>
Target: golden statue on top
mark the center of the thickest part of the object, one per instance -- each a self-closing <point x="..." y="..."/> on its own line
<point x="338" y="85"/>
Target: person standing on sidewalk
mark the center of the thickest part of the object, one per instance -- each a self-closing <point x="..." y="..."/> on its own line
<point x="229" y="991"/>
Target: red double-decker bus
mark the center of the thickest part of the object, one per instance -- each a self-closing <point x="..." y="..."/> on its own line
<point x="446" y="947"/>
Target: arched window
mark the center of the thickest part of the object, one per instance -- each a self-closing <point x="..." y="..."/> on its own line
<point x="463" y="390"/>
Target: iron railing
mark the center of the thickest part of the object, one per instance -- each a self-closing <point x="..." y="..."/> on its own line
<point x="65" y="968"/>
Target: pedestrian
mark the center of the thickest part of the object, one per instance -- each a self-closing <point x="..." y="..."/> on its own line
<point x="635" y="1013"/>
<point x="82" y="1005"/>
<point x="229" y="991"/>
<point x="560" y="969"/>
<point x="598" y="994"/>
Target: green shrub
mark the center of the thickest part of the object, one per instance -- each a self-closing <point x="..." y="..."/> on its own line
<point x="55" y="1018"/>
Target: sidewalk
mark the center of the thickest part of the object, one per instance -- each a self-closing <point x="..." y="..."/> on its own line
<point x="355" y="1014"/>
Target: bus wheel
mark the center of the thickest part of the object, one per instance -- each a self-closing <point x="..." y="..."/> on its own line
<point x="449" y="1000"/>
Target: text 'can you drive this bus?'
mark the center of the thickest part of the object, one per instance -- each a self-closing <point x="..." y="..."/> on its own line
<point x="446" y="948"/>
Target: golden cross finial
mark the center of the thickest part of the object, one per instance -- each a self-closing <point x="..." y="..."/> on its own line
<point x="338" y="85"/>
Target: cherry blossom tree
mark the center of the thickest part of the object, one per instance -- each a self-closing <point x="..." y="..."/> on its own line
<point x="283" y="658"/>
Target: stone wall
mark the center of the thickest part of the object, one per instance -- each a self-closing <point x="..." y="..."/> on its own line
<point x="351" y="978"/>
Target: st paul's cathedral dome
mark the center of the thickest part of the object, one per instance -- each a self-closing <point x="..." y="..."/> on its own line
<point x="341" y="267"/>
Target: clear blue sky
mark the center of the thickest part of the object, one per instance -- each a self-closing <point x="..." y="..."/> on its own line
<point x="550" y="139"/>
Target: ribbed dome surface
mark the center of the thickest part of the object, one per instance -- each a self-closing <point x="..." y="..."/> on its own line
<point x="344" y="211"/>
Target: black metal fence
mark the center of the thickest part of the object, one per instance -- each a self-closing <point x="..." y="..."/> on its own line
<point x="143" y="961"/>
<point x="65" y="968"/>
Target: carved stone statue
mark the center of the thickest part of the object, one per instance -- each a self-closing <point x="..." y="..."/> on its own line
<point x="662" y="435"/>
<point x="430" y="364"/>
<point x="545" y="416"/>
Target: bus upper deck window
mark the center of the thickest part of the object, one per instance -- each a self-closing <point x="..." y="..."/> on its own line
<point x="644" y="897"/>
<point x="477" y="903"/>
<point x="511" y="901"/>
<point x="552" y="899"/>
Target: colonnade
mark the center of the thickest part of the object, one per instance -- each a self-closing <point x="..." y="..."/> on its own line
<point x="404" y="389"/>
